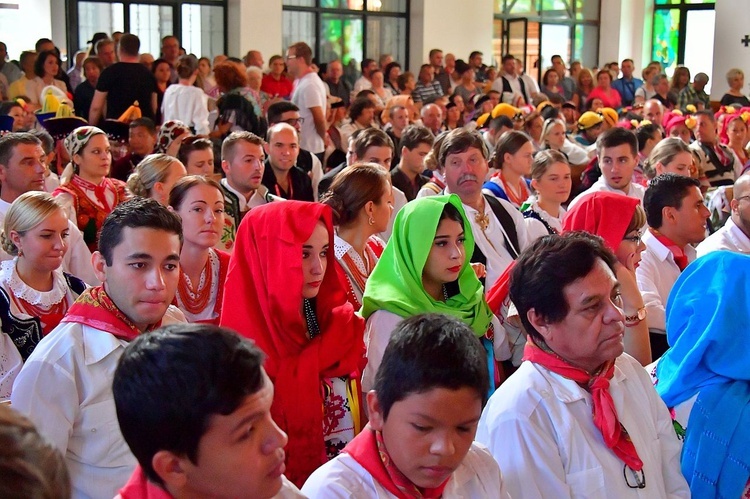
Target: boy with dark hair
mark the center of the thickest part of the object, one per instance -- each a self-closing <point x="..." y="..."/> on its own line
<point x="65" y="386"/>
<point x="141" y="142"/>
<point x="676" y="216"/>
<point x="206" y="429"/>
<point x="416" y="142"/>
<point x="429" y="392"/>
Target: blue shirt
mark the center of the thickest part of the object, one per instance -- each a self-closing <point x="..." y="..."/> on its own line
<point x="627" y="89"/>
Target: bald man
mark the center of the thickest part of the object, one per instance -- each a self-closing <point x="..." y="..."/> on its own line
<point x="735" y="235"/>
<point x="432" y="118"/>
<point x="653" y="111"/>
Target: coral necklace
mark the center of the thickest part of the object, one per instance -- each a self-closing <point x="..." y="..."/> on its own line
<point x="196" y="300"/>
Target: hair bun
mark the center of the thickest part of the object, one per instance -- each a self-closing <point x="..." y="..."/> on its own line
<point x="8" y="245"/>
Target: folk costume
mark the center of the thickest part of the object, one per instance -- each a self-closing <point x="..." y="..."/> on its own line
<point x="395" y="291"/>
<point x="65" y="388"/>
<point x="88" y="204"/>
<point x="354" y="270"/>
<point x="235" y="208"/>
<point x="703" y="378"/>
<point x="201" y="301"/>
<point x="313" y="357"/>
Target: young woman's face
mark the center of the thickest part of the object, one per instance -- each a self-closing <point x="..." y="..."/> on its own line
<point x="630" y="249"/>
<point x="18" y="115"/>
<point x="586" y="78"/>
<point x="680" y="164"/>
<point x="604" y="80"/>
<point x="555" y="184"/>
<point x="447" y="254"/>
<point x="314" y="261"/>
<point x="204" y="67"/>
<point x="682" y="132"/>
<point x="556" y="136"/>
<point x="95" y="159"/>
<point x="520" y="162"/>
<point x="163" y="72"/>
<point x="51" y="66"/>
<point x="45" y="245"/>
<point x="381" y="211"/>
<point x="737" y="132"/>
<point x="202" y="215"/>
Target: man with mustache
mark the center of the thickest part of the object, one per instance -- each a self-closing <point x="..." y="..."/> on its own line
<point x="498" y="227"/>
<point x="216" y="438"/>
<point x="65" y="386"/>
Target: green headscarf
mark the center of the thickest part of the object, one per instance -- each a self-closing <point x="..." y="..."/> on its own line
<point x="395" y="284"/>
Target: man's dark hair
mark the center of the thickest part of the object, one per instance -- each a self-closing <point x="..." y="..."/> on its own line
<point x="543" y="271"/>
<point x="358" y="106"/>
<point x="40" y="42"/>
<point x="474" y="53"/>
<point x="302" y="51"/>
<point x="414" y="135"/>
<point x="556" y="56"/>
<point x="430" y="351"/>
<point x="135" y="213"/>
<point x="8" y="143"/>
<point x="667" y="189"/>
<point x="507" y="57"/>
<point x="144" y="122"/>
<point x="276" y="109"/>
<point x="614" y="137"/>
<point x="402" y="79"/>
<point x="130" y="44"/>
<point x="40" y="60"/>
<point x="48" y="143"/>
<point x="461" y="140"/>
<point x="370" y="137"/>
<point x="365" y="63"/>
<point x="549" y="112"/>
<point x="212" y="370"/>
<point x="500" y="122"/>
<point x="645" y="132"/>
<point x="191" y="144"/>
<point x="707" y="113"/>
<point x="434" y="51"/>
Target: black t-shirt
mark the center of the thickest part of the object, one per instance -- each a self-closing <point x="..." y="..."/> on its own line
<point x="82" y="99"/>
<point x="731" y="100"/>
<point x="301" y="184"/>
<point x="126" y="82"/>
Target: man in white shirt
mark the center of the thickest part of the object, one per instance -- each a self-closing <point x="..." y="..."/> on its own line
<point x="309" y="95"/>
<point x="22" y="169"/>
<point x="364" y="82"/>
<point x="194" y="444"/>
<point x="512" y="87"/>
<point x="65" y="386"/>
<point x="498" y="227"/>
<point x="676" y="216"/>
<point x="243" y="163"/>
<point x="735" y="235"/>
<point x="579" y="418"/>
<point x="617" y="152"/>
<point x="423" y="417"/>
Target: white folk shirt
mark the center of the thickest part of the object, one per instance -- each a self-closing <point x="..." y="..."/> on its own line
<point x="77" y="260"/>
<point x="478" y="476"/>
<point x="540" y="428"/>
<point x="656" y="274"/>
<point x="634" y="191"/>
<point x="491" y="242"/>
<point x="310" y="91"/>
<point x="730" y="238"/>
<point x="65" y="389"/>
<point x="380" y="327"/>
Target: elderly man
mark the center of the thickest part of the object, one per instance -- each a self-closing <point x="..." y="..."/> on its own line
<point x="432" y="118"/>
<point x="499" y="230"/>
<point x="735" y="235"/>
<point x="695" y="92"/>
<point x="579" y="418"/>
<point x="653" y="111"/>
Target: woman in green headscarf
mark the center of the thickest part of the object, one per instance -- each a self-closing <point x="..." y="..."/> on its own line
<point x="424" y="268"/>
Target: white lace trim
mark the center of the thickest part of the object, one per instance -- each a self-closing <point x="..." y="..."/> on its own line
<point x="9" y="276"/>
<point x="555" y="223"/>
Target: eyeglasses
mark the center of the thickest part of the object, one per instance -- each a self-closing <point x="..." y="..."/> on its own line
<point x="634" y="239"/>
<point x="634" y="479"/>
<point x="293" y="121"/>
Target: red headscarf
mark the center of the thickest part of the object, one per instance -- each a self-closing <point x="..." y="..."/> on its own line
<point x="606" y="214"/>
<point x="263" y="301"/>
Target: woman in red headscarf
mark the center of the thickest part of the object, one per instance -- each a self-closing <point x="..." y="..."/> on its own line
<point x="283" y="291"/>
<point x="619" y="220"/>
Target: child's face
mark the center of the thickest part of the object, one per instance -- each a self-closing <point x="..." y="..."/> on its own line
<point x="246" y="440"/>
<point x="428" y="434"/>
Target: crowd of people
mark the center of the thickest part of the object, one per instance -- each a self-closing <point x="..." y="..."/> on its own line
<point x="219" y="279"/>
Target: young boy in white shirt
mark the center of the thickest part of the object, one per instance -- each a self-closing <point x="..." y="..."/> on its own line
<point x="429" y="392"/>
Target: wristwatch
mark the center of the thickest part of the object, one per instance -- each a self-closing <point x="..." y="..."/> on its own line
<point x="634" y="320"/>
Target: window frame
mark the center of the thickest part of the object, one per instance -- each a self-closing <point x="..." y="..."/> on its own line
<point x="74" y="44"/>
<point x="683" y="7"/>
<point x="363" y="14"/>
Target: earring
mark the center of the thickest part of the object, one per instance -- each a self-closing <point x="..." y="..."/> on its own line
<point x="20" y="253"/>
<point x="371" y="221"/>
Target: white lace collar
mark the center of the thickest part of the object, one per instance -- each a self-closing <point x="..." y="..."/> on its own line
<point x="9" y="277"/>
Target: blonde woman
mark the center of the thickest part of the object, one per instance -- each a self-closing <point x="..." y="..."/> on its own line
<point x="86" y="191"/>
<point x="155" y="176"/>
<point x="34" y="291"/>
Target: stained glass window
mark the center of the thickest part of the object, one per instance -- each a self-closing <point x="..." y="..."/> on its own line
<point x="666" y="37"/>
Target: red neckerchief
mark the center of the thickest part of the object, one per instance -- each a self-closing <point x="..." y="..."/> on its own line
<point x="96" y="309"/>
<point x="369" y="451"/>
<point x="100" y="191"/>
<point x="139" y="487"/>
<point x="680" y="258"/>
<point x="605" y="414"/>
<point x="721" y="154"/>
